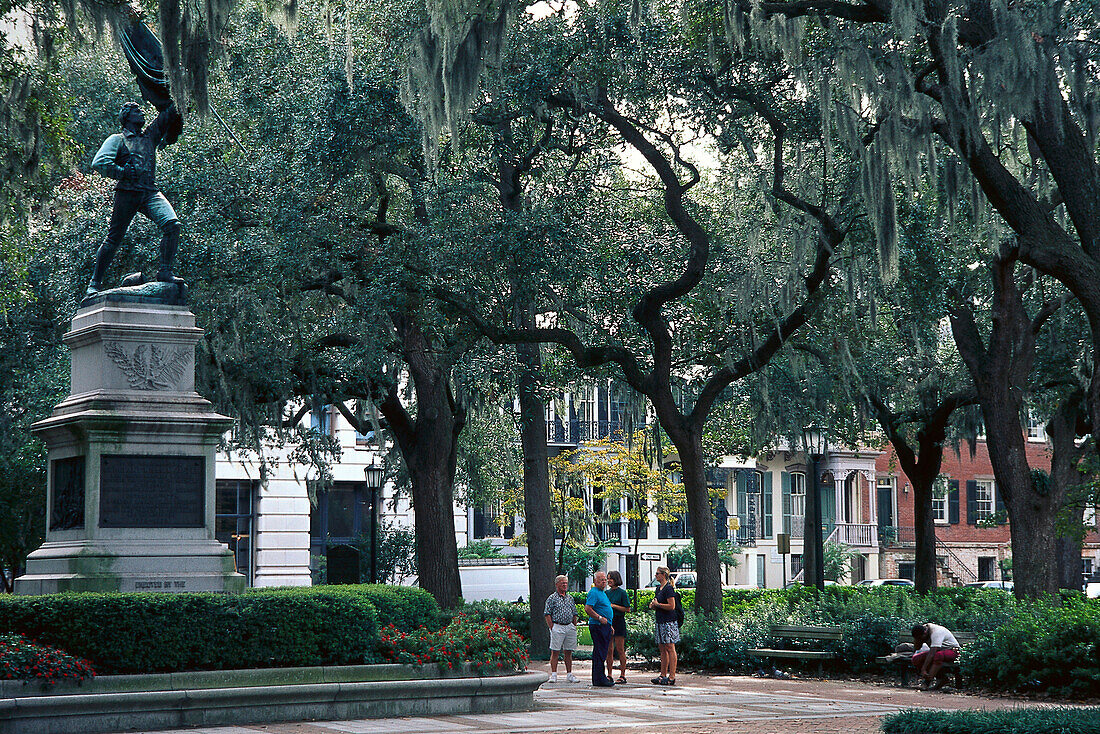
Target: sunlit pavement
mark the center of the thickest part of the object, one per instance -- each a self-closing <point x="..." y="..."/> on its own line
<point x="697" y="704"/>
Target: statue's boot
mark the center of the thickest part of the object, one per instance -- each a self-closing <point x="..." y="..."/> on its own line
<point x="102" y="261"/>
<point x="168" y="246"/>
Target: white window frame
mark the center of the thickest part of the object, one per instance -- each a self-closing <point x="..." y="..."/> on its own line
<point x="985" y="504"/>
<point x="940" y="488"/>
<point x="798" y="499"/>
<point x="1036" y="428"/>
<point x="584" y="404"/>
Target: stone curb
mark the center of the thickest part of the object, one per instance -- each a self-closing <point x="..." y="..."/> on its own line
<point x="252" y="700"/>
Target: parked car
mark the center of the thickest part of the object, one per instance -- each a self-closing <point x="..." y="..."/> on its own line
<point x="1092" y="587"/>
<point x="885" y="582"/>
<point x="1002" y="585"/>
<point x="682" y="580"/>
<point x="792" y="584"/>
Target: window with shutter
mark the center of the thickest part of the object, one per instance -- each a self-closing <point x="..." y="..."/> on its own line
<point x="971" y="502"/>
<point x="939" y="499"/>
<point x="785" y="488"/>
<point x="766" y="503"/>
<point x="953" y="502"/>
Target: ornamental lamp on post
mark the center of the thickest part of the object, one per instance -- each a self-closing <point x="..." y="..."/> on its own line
<point x="815" y="443"/>
<point x="374" y="475"/>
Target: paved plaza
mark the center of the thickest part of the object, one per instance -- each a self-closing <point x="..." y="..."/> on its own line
<point x="698" y="704"/>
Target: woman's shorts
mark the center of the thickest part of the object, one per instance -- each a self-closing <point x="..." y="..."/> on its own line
<point x="667" y="633"/>
<point x="618" y="624"/>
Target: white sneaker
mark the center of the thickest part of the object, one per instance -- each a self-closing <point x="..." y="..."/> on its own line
<point x="571" y="678"/>
<point x="553" y="677"/>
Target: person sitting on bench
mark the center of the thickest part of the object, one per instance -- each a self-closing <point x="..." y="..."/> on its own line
<point x="942" y="648"/>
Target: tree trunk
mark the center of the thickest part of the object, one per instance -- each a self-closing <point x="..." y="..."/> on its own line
<point x="708" y="569"/>
<point x="924" y="527"/>
<point x="429" y="446"/>
<point x="432" y="475"/>
<point x="1031" y="509"/>
<point x="1062" y="430"/>
<point x="922" y="466"/>
<point x="1000" y="374"/>
<point x="538" y="524"/>
<point x="1068" y="550"/>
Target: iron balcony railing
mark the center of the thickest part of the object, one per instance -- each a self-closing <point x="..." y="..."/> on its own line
<point x="893" y="536"/>
<point x="575" y="431"/>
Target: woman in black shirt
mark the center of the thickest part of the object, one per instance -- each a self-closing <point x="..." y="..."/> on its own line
<point x="620" y="603"/>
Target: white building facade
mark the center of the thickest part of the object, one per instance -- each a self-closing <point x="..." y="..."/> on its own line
<point x="283" y="526"/>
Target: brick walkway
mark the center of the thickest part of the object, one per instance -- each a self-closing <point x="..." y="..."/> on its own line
<point x="699" y="704"/>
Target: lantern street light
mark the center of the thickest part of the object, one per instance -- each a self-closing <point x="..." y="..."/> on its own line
<point x="815" y="443"/>
<point x="374" y="475"/>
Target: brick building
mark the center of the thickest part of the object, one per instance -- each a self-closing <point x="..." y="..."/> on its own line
<point x="967" y="501"/>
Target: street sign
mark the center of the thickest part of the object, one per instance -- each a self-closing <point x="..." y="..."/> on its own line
<point x="783" y="543"/>
<point x="651" y="556"/>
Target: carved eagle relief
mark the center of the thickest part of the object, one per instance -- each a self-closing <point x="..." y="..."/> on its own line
<point x="160" y="370"/>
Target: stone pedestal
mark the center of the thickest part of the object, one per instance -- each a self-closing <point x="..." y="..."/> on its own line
<point x="130" y="501"/>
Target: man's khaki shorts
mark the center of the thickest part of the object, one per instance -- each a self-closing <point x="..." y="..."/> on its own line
<point x="563" y="637"/>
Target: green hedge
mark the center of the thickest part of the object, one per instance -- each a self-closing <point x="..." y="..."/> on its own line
<point x="1050" y="646"/>
<point x="405" y="607"/>
<point x="263" y="628"/>
<point x="1052" y="649"/>
<point x="514" y="614"/>
<point x="1014" y="721"/>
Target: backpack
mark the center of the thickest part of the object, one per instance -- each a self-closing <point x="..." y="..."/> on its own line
<point x="679" y="609"/>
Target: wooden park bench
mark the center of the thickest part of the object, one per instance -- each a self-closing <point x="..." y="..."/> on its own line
<point x="903" y="662"/>
<point x="803" y="634"/>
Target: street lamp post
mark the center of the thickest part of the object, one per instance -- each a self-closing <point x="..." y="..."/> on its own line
<point x="374" y="475"/>
<point x="813" y="549"/>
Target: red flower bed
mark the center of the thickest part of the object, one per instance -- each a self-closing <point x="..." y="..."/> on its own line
<point x="487" y="645"/>
<point x="21" y="659"/>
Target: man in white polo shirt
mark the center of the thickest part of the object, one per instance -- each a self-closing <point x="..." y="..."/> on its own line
<point x="942" y="648"/>
<point x="561" y="617"/>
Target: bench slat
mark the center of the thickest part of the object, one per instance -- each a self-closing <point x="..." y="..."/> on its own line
<point x="808" y="633"/>
<point x="794" y="654"/>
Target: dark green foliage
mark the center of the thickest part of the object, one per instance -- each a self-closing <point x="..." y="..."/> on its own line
<point x="158" y="633"/>
<point x="1055" y="650"/>
<point x="1014" y="721"/>
<point x="480" y="549"/>
<point x="867" y="637"/>
<point x="1037" y="646"/>
<point x="516" y="616"/>
<point x="680" y="556"/>
<point x="405" y="607"/>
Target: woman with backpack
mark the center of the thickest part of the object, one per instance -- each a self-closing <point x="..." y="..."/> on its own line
<point x="667" y="632"/>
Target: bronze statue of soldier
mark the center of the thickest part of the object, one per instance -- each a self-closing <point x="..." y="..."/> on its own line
<point x="129" y="157"/>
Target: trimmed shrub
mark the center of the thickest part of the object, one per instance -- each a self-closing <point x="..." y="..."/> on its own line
<point x="486" y="645"/>
<point x="1013" y="721"/>
<point x="20" y="659"/>
<point x="1046" y="649"/>
<point x="1032" y="645"/>
<point x="160" y="633"/>
<point x="517" y="616"/>
<point x="405" y="607"/>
